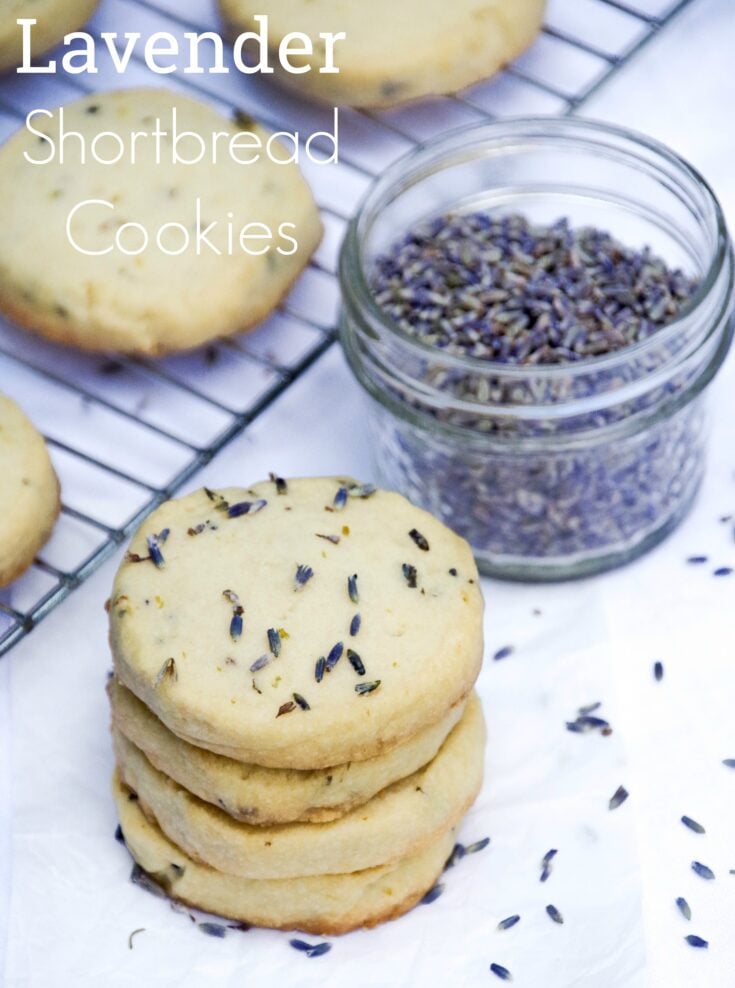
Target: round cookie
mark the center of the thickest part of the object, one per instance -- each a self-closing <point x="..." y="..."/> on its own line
<point x="210" y="575"/>
<point x="323" y="905"/>
<point x="29" y="492"/>
<point x="394" y="824"/>
<point x="258" y="795"/>
<point x="55" y="18"/>
<point x="158" y="300"/>
<point x="393" y="52"/>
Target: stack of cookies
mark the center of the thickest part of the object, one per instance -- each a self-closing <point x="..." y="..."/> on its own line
<point x="292" y="710"/>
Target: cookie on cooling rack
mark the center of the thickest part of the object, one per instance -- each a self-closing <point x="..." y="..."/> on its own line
<point x="393" y="52"/>
<point x="148" y="255"/>
<point x="29" y="492"/>
<point x="54" y="18"/>
<point x="297" y="624"/>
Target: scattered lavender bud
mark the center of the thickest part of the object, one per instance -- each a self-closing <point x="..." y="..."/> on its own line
<point x="352" y="589"/>
<point x="546" y="863"/>
<point x="618" y="797"/>
<point x="503" y="653"/>
<point x="410" y="574"/>
<point x="697" y="560"/>
<point x="506" y="924"/>
<point x="693" y="825"/>
<point x="419" y="539"/>
<point x="554" y="913"/>
<point x="274" y="641"/>
<point x="334" y="656"/>
<point x="658" y="671"/>
<point x="302" y="577"/>
<point x="340" y="499"/>
<point x="213" y="930"/>
<point x="458" y="852"/>
<point x="280" y="483"/>
<point x="702" y="870"/>
<point x="167" y="671"/>
<point x="356" y="662"/>
<point x="362" y="490"/>
<point x="245" y="508"/>
<point x="301" y="702"/>
<point x="260" y="663"/>
<point x="363" y="688"/>
<point x="355" y="625"/>
<point x="479" y="845"/>
<point x="433" y="894"/>
<point x="311" y="949"/>
<point x="154" y="543"/>
<point x="729" y="762"/>
<point x="319" y="669"/>
<point x="501" y="972"/>
<point x="723" y="571"/>
<point x="683" y="906"/>
<point x="694" y="941"/>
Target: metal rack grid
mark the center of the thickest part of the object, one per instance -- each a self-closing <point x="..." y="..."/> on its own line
<point x="127" y="433"/>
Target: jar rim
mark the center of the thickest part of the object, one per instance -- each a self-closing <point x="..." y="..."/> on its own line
<point x="412" y="166"/>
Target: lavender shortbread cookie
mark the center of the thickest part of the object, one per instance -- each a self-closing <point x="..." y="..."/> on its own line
<point x="396" y="823"/>
<point x="297" y="624"/>
<point x="261" y="796"/>
<point x="390" y="52"/>
<point x="151" y="244"/>
<point x="29" y="492"/>
<point x="322" y="904"/>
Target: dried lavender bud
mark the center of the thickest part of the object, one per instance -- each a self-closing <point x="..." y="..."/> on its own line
<point x="274" y="641"/>
<point x="458" y="852"/>
<point x="693" y="825"/>
<point x="683" y="906"/>
<point x="362" y="490"/>
<point x="694" y="941"/>
<point x="433" y="894"/>
<point x="501" y="972"/>
<point x="154" y="543"/>
<point x="301" y="701"/>
<point x="310" y="949"/>
<point x="363" y="688"/>
<point x="218" y="500"/>
<point x="356" y="662"/>
<point x="554" y="913"/>
<point x="506" y="924"/>
<point x="479" y="845"/>
<point x="285" y="708"/>
<point x="334" y="656"/>
<point x="546" y="864"/>
<point x="302" y="577"/>
<point x="352" y="589"/>
<point x="146" y="881"/>
<point x="319" y="669"/>
<point x="334" y="539"/>
<point x="419" y="539"/>
<point x="213" y="930"/>
<point x="355" y="625"/>
<point x="410" y="574"/>
<point x="340" y="499"/>
<point x="167" y="671"/>
<point x="503" y="653"/>
<point x="281" y="485"/>
<point x="260" y="663"/>
<point x="658" y="671"/>
<point x="245" y="508"/>
<point x="618" y="797"/>
<point x="236" y="624"/>
<point x="703" y="871"/>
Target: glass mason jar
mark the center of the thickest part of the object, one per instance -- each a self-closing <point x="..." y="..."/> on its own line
<point x="559" y="470"/>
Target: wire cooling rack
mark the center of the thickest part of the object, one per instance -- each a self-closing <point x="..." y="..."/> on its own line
<point x="126" y="433"/>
